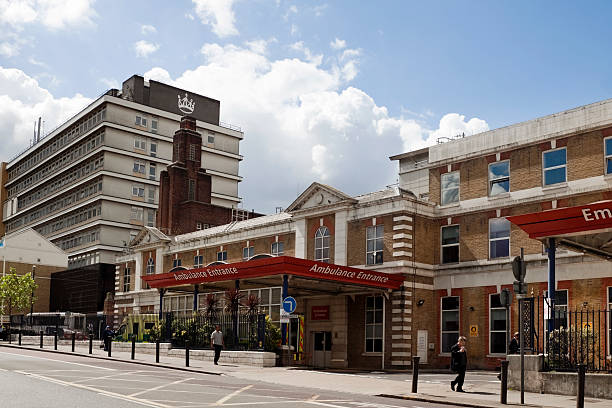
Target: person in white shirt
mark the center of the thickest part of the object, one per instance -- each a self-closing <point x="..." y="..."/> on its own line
<point x="216" y="342"/>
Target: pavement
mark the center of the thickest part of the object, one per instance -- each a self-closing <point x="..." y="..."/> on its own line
<point x="482" y="388"/>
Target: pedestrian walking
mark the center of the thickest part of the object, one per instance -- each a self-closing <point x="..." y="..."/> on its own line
<point x="216" y="341"/>
<point x="107" y="337"/>
<point x="459" y="363"/>
<point x="514" y="347"/>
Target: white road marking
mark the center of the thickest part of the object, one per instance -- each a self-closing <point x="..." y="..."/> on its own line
<point x="97" y="390"/>
<point x="233" y="394"/>
<point x="59" y="361"/>
<point x="160" y="387"/>
<point x="104" y="377"/>
<point x="323" y="404"/>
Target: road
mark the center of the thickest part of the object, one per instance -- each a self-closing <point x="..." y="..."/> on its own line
<point x="32" y="379"/>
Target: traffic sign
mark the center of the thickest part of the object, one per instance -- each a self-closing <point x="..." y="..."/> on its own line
<point x="473" y="330"/>
<point x="289" y="304"/>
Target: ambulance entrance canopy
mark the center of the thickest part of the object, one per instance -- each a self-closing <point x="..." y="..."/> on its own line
<point x="299" y="277"/>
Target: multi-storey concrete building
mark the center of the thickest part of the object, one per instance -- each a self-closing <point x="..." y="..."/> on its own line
<point x="438" y="246"/>
<point x="93" y="182"/>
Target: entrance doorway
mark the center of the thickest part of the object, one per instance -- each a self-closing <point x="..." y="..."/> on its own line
<point x="321" y="355"/>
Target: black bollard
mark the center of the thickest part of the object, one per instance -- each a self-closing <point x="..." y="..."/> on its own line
<point x="55" y="340"/>
<point x="581" y="375"/>
<point x="415" y="373"/>
<point x="110" y="346"/>
<point x="19" y="337"/>
<point x="186" y="353"/>
<point x="504" y="382"/>
<point x="90" y="342"/>
<point x="157" y="351"/>
<point x="73" y="337"/>
<point x="133" y="346"/>
<point x="41" y="339"/>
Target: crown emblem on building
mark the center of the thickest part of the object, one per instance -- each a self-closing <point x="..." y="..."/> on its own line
<point x="185" y="105"/>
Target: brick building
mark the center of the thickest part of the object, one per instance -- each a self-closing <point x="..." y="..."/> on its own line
<point x="443" y="230"/>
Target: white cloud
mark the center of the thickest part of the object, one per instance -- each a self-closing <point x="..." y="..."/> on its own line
<point x="9" y="49"/>
<point x="294" y="29"/>
<point x="291" y="10"/>
<point x="110" y="83"/>
<point x="302" y="123"/>
<point x="22" y="101"/>
<point x="144" y="48"/>
<point x="318" y="10"/>
<point x="34" y="61"/>
<point x="219" y="14"/>
<point x="337" y="44"/>
<point x="147" y="29"/>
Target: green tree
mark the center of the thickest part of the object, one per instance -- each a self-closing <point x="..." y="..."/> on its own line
<point x="16" y="292"/>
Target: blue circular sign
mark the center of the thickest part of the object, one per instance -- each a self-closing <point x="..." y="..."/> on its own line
<point x="289" y="304"/>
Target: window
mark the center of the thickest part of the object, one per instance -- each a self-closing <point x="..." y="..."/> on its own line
<point x="137" y="214"/>
<point x="150" y="266"/>
<point x="211" y="138"/>
<point x="126" y="279"/>
<point x="221" y="256"/>
<point x="139" y="167"/>
<point x="497" y="325"/>
<point x="176" y="262"/>
<point x="139" y="143"/>
<point x="374" y="245"/>
<point x="152" y="171"/>
<point x="374" y="324"/>
<point x="247" y="253"/>
<point x="322" y="245"/>
<point x="499" y="238"/>
<point x="450" y="188"/>
<point x="555" y="166"/>
<point x="151" y="194"/>
<point x="277" y="248"/>
<point x="608" y="155"/>
<point x="151" y="218"/>
<point x="153" y="149"/>
<point x="198" y="261"/>
<point x="192" y="152"/>
<point x="198" y="226"/>
<point x="154" y="124"/>
<point x="499" y="178"/>
<point x="138" y="121"/>
<point x="450" y="244"/>
<point x="137" y="191"/>
<point x="450" y="322"/>
<point x="560" y="314"/>
<point x="191" y="192"/>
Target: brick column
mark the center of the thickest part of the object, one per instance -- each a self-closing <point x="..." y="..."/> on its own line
<point x="401" y="327"/>
<point x="402" y="237"/>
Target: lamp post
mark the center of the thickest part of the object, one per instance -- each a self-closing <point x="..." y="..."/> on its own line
<point x="32" y="297"/>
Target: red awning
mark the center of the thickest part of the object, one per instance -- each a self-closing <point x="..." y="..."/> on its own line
<point x="594" y="217"/>
<point x="280" y="265"/>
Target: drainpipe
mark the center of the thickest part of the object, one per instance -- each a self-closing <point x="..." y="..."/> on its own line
<point x="383" y="332"/>
<point x="551" y="282"/>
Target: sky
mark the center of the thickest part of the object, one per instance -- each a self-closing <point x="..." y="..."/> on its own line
<point x="323" y="90"/>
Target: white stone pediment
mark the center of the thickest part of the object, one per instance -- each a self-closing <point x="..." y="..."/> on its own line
<point x="149" y="236"/>
<point x="319" y="195"/>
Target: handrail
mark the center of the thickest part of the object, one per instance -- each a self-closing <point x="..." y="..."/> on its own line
<point x="230" y="126"/>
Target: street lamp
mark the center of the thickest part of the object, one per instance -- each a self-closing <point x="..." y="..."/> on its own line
<point x="32" y="297"/>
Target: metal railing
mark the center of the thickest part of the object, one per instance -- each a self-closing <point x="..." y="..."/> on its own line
<point x="568" y="338"/>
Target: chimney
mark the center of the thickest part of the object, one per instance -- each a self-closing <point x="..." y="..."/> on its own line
<point x="188" y="122"/>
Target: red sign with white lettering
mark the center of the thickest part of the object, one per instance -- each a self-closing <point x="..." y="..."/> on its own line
<point x="280" y="265"/>
<point x="319" y="313"/>
<point x="564" y="221"/>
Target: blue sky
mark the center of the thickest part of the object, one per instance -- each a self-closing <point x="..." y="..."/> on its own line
<point x="320" y="88"/>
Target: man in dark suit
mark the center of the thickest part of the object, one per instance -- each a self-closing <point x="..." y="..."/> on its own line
<point x="459" y="363"/>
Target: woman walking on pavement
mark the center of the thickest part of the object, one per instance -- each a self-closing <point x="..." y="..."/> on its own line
<point x="459" y="363"/>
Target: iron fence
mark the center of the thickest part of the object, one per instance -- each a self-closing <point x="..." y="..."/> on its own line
<point x="568" y="337"/>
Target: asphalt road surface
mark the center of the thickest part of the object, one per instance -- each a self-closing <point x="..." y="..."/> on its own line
<point x="32" y="379"/>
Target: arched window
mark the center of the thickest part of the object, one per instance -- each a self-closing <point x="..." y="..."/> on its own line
<point x="322" y="245"/>
<point x="150" y="266"/>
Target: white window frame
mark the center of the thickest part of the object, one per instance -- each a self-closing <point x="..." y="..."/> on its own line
<point x="176" y="262"/>
<point x="150" y="266"/>
<point x="137" y="213"/>
<point x="140" y="143"/>
<point x="607" y="157"/>
<point x="153" y="149"/>
<point x="126" y="279"/>
<point x="139" y="167"/>
<point x="375" y="239"/>
<point x="374" y="325"/>
<point x="500" y="239"/>
<point x="222" y="256"/>
<point x="450" y="245"/>
<point x="210" y="136"/>
<point x="491" y="308"/>
<point x="442" y="331"/>
<point x="152" y="171"/>
<point x="566" y="305"/>
<point x="442" y="189"/>
<point x="137" y="190"/>
<point x="319" y="244"/>
<point x="545" y="169"/>
<point x="277" y="248"/>
<point x="150" y="217"/>
<point x="248" y="252"/>
<point x="198" y="261"/>
<point x="498" y="179"/>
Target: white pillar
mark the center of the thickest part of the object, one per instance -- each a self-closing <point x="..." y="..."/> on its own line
<point x="300" y="238"/>
<point x="159" y="261"/>
<point x="340" y="238"/>
<point x="138" y="271"/>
